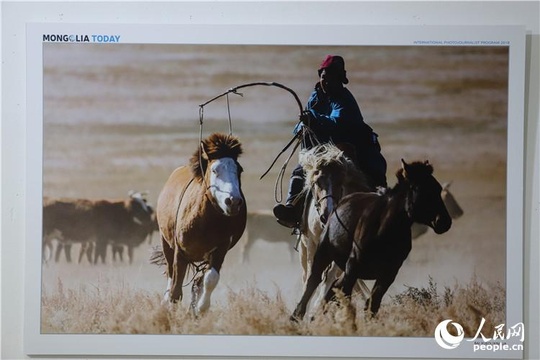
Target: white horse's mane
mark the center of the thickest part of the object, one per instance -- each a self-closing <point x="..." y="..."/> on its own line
<point x="324" y="155"/>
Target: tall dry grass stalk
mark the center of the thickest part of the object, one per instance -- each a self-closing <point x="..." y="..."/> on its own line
<point x="116" y="308"/>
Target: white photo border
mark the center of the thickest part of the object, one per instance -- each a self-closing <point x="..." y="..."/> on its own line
<point x="36" y="343"/>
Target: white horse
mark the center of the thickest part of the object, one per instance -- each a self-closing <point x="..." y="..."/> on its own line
<point x="330" y="175"/>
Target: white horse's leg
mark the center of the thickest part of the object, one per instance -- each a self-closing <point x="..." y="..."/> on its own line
<point x="330" y="276"/>
<point x="314" y="230"/>
<point x="309" y="260"/>
<point x="303" y="258"/>
<point x="210" y="282"/>
<point x="311" y="248"/>
<point x="167" y="294"/>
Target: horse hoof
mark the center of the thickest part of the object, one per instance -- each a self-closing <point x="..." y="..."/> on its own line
<point x="192" y="311"/>
<point x="168" y="305"/>
<point x="294" y="319"/>
<point x="369" y="315"/>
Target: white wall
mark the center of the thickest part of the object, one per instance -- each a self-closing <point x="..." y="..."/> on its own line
<point x="16" y="14"/>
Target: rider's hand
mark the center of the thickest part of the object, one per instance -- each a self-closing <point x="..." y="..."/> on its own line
<point x="305" y="117"/>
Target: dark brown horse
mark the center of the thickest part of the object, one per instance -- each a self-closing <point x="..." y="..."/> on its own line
<point x="369" y="234"/>
<point x="201" y="214"/>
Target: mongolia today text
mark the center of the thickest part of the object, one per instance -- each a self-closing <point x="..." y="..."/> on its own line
<point x="81" y="38"/>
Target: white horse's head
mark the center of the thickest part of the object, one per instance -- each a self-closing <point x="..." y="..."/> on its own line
<point x="325" y="168"/>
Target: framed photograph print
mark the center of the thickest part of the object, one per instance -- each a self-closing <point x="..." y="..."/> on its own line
<point x="156" y="155"/>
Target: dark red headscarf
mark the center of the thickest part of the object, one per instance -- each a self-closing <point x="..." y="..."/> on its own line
<point x="337" y="63"/>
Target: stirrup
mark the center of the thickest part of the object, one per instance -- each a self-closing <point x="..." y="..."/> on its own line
<point x="288" y="224"/>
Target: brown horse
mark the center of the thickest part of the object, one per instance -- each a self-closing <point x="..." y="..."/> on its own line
<point x="369" y="234"/>
<point x="201" y="214"/>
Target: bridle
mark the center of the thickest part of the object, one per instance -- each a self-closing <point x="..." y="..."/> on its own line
<point x="207" y="186"/>
<point x="317" y="203"/>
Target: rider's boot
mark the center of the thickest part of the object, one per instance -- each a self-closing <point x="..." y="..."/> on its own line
<point x="289" y="215"/>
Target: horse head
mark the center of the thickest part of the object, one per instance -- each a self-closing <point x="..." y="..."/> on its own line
<point x="326" y="169"/>
<point x="424" y="203"/>
<point x="216" y="164"/>
<point x="137" y="205"/>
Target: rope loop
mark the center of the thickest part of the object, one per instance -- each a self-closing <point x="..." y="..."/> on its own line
<point x="299" y="136"/>
<point x="197" y="269"/>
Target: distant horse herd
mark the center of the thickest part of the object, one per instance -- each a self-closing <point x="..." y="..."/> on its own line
<point x="349" y="232"/>
<point x="96" y="224"/>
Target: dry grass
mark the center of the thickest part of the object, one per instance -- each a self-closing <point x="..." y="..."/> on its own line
<point x="118" y="309"/>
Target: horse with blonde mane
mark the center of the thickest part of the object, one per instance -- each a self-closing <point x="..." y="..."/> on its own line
<point x="330" y="175"/>
<point x="201" y="213"/>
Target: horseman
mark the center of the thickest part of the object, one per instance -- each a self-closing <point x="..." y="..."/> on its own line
<point x="332" y="115"/>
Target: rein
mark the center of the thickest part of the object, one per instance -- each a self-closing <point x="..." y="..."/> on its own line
<point x="212" y="200"/>
<point x="302" y="137"/>
<point x="316" y="200"/>
<point x="180" y="203"/>
<point x="197" y="269"/>
<point x="281" y="175"/>
<point x="201" y="266"/>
